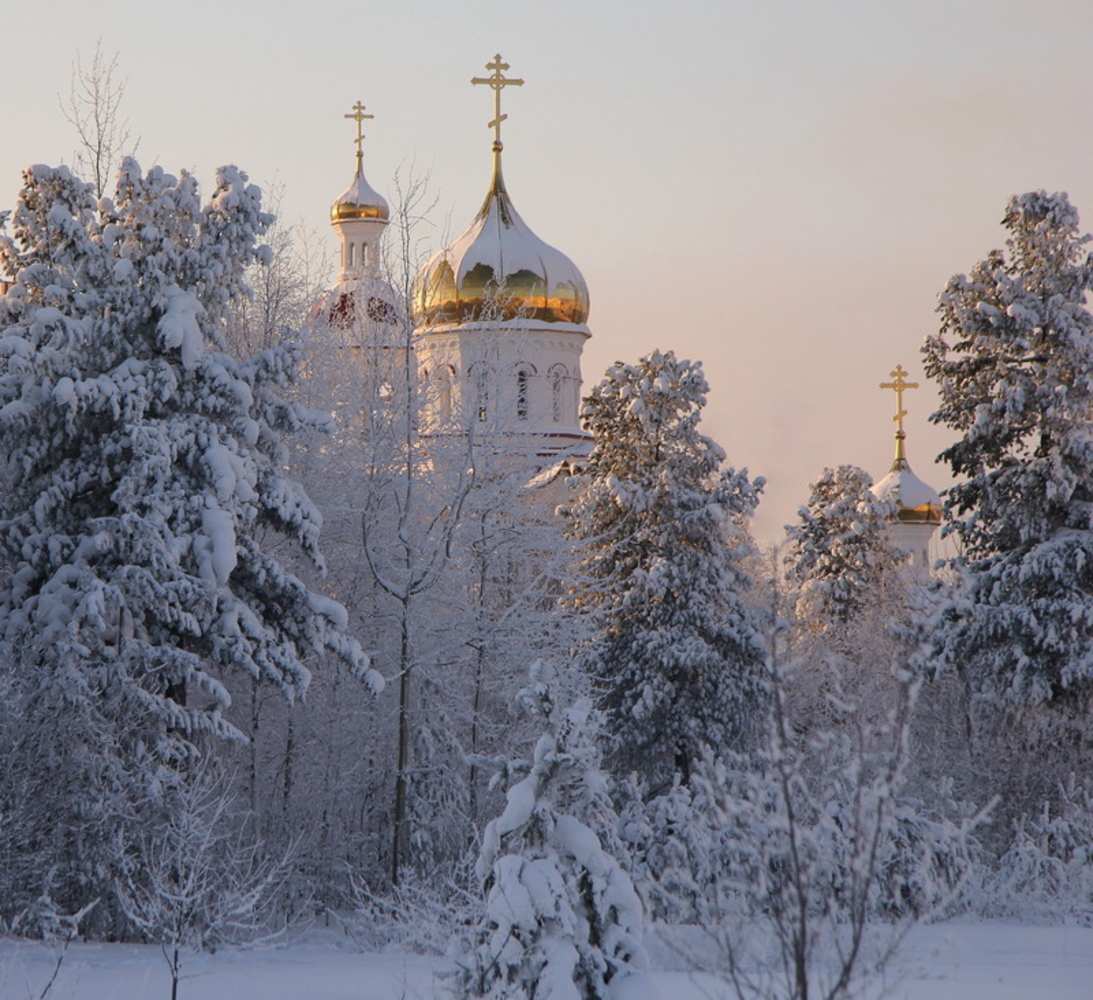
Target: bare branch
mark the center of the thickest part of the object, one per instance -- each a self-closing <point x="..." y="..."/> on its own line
<point x="93" y="109"/>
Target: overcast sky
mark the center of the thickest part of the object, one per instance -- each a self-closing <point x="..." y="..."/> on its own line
<point x="779" y="189"/>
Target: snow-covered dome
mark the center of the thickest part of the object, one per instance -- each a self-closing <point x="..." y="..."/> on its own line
<point x="499" y="270"/>
<point x="915" y="500"/>
<point x="359" y="200"/>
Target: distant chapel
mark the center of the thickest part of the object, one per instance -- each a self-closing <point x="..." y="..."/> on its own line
<point x="918" y="506"/>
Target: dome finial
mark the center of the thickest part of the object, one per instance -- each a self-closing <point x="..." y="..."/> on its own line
<point x="496" y="81"/>
<point x="359" y="116"/>
<point x="899" y="385"/>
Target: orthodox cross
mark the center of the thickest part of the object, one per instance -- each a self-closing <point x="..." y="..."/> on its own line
<point x="359" y="116"/>
<point x="496" y="81"/>
<point x="900" y="385"/>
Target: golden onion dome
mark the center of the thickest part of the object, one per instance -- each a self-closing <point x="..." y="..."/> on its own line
<point x="499" y="270"/>
<point x="915" y="500"/>
<point x="359" y="200"/>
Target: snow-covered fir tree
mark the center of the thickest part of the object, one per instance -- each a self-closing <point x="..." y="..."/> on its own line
<point x="145" y="488"/>
<point x="562" y="920"/>
<point x="840" y="558"/>
<point x="678" y="655"/>
<point x="1013" y="362"/>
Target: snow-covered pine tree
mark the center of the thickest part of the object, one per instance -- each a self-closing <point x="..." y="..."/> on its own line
<point x="678" y="655"/>
<point x="145" y="490"/>
<point x="840" y="559"/>
<point x="1013" y="362"/>
<point x="562" y="919"/>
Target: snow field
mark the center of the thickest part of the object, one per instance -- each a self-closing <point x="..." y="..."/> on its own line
<point x="951" y="961"/>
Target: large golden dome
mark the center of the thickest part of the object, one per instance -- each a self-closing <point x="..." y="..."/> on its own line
<point x="499" y="270"/>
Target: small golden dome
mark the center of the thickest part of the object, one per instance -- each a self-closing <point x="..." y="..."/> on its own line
<point x="499" y="270"/>
<point x="359" y="201"/>
<point x="914" y="499"/>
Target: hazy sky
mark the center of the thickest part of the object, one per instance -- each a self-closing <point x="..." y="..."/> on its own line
<point x="779" y="189"/>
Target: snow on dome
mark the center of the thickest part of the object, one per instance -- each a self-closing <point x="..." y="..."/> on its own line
<point x="499" y="270"/>
<point x="915" y="500"/>
<point x="359" y="201"/>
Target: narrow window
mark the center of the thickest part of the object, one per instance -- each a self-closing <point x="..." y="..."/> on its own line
<point x="557" y="384"/>
<point x="521" y="395"/>
<point x="445" y="398"/>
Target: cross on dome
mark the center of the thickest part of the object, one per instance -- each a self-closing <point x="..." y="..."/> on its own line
<point x="496" y="81"/>
<point x="359" y="117"/>
<point x="899" y="385"/>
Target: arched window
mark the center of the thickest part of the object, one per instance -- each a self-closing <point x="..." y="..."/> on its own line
<point x="557" y="390"/>
<point x="522" y="394"/>
<point x="444" y="393"/>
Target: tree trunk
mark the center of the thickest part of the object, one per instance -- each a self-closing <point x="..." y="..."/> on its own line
<point x="398" y="844"/>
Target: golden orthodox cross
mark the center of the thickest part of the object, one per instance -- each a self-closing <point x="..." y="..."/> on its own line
<point x="359" y="116"/>
<point x="900" y="385"/>
<point x="496" y="81"/>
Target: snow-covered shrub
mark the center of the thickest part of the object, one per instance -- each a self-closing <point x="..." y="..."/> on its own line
<point x="421" y="914"/>
<point x="562" y="920"/>
<point x="1047" y="872"/>
<point x="197" y="881"/>
<point x="929" y="860"/>
<point x="815" y="843"/>
<point x="663" y="839"/>
<point x="678" y="847"/>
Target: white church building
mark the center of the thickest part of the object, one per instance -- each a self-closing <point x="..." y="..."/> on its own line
<point x="498" y="318"/>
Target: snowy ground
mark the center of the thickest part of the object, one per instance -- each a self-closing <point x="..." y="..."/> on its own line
<point x="959" y="961"/>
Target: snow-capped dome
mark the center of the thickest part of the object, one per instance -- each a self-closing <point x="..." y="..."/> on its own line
<point x="915" y="500"/>
<point x="499" y="270"/>
<point x="359" y="200"/>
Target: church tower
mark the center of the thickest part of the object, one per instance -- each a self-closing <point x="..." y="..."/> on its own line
<point x="500" y="324"/>
<point x="359" y="215"/>
<point x="359" y="358"/>
<point x="918" y="506"/>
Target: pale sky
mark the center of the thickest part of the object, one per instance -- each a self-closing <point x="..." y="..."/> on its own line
<point x="778" y="189"/>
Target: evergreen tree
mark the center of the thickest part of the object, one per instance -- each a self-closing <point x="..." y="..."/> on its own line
<point x="145" y="487"/>
<point x="562" y="920"/>
<point x="1013" y="362"/>
<point x="678" y="657"/>
<point x="840" y="558"/>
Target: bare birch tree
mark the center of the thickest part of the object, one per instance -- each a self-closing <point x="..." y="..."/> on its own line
<point x="93" y="109"/>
